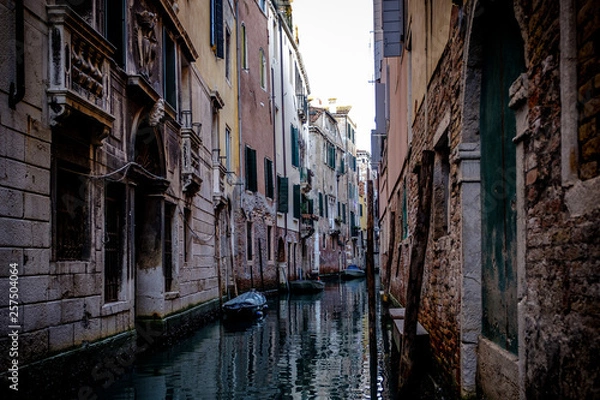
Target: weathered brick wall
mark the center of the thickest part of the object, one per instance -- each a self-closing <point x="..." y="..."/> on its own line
<point x="260" y="272"/>
<point x="440" y="299"/>
<point x="588" y="66"/>
<point x="563" y="249"/>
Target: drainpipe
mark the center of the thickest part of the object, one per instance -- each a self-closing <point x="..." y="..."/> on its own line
<point x="17" y="92"/>
<point x="238" y="184"/>
<point x="281" y="21"/>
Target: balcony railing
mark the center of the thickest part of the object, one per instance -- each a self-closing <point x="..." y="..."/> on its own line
<point x="79" y="66"/>
<point x="190" y="142"/>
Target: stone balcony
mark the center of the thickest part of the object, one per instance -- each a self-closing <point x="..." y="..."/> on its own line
<point x="79" y="71"/>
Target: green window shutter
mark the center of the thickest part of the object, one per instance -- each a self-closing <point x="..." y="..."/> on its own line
<point x="295" y="147"/>
<point x="297" y="200"/>
<point x="326" y="206"/>
<point x="320" y="204"/>
<point x="269" y="178"/>
<point x="251" y="181"/>
<point x="344" y="212"/>
<point x="311" y="206"/>
<point x="282" y="194"/>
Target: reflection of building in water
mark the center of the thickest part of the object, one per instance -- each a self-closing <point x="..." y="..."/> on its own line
<point x="312" y="346"/>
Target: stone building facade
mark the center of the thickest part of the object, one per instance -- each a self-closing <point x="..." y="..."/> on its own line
<point x="508" y="108"/>
<point x="122" y="148"/>
<point x="325" y="155"/>
<point x="290" y="87"/>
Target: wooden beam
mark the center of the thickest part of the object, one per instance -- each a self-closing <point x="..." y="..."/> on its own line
<point x="408" y="379"/>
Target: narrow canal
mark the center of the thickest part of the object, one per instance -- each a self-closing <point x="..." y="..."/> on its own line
<point x="307" y="347"/>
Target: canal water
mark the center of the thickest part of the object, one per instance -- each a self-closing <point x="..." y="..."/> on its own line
<point x="306" y="347"/>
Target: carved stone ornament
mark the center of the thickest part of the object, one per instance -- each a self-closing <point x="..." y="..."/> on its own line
<point x="146" y="42"/>
<point x="157" y="113"/>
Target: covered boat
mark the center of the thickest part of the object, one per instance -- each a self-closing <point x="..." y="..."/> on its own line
<point x="307" y="286"/>
<point x="251" y="304"/>
<point x="353" y="272"/>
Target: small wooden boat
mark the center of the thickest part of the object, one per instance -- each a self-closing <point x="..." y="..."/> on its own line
<point x="249" y="305"/>
<point x="353" y="272"/>
<point x="307" y="286"/>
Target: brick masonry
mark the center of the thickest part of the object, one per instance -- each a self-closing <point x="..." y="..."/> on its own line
<point x="559" y="297"/>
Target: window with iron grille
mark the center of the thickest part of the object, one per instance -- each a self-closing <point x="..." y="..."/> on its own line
<point x="168" y="249"/>
<point x="72" y="236"/>
<point x="114" y="223"/>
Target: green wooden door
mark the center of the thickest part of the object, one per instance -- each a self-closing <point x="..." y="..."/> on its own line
<point x="502" y="64"/>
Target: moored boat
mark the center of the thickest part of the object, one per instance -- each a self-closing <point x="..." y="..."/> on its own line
<point x="307" y="286"/>
<point x="251" y="304"/>
<point x="353" y="272"/>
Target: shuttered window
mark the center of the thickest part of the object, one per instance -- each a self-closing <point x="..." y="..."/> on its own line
<point x="295" y="147"/>
<point x="297" y="200"/>
<point x="282" y="194"/>
<point x="251" y="181"/>
<point x="393" y="27"/>
<point x="321" y="204"/>
<point x="216" y="28"/>
<point x="269" y="186"/>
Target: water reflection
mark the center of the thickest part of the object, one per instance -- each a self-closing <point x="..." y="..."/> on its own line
<point x="307" y="347"/>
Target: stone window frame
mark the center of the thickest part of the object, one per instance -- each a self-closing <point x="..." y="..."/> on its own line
<point x="580" y="196"/>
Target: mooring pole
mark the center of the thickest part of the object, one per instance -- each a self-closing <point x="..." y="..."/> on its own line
<point x="370" y="271"/>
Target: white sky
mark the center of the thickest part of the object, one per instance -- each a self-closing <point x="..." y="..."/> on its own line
<point x="336" y="46"/>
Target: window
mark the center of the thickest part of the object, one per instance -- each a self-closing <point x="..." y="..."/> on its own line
<point x="441" y="188"/>
<point x="216" y="27"/>
<point x="262" y="4"/>
<point x="187" y="235"/>
<point x="72" y="236"/>
<point x="114" y="28"/>
<point x="330" y="156"/>
<point x="244" y="50"/>
<point x="169" y="70"/>
<point x="228" y="55"/>
<point x="249" y="241"/>
<point x="404" y="212"/>
<point x="168" y="250"/>
<point x="263" y="69"/>
<point x="227" y="149"/>
<point x="295" y="146"/>
<point x="251" y="181"/>
<point x="269" y="186"/>
<point x="114" y="222"/>
<point x="282" y="194"/>
<point x="269" y="243"/>
<point x="297" y="200"/>
<point x="321" y="204"/>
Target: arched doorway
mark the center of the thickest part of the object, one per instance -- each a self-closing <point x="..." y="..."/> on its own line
<point x="152" y="246"/>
